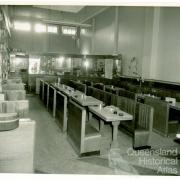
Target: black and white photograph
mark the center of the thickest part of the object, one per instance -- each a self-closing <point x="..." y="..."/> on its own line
<point x="90" y="88"/>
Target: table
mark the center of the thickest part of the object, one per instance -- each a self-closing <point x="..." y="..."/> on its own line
<point x="107" y="114"/>
<point x="70" y="93"/>
<point x="84" y="100"/>
<point x="67" y="90"/>
<point x="113" y="89"/>
<point x="175" y="106"/>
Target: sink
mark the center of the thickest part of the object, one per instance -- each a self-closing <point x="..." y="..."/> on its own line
<point x="8" y="121"/>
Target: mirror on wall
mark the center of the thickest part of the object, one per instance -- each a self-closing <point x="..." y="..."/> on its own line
<point x="18" y="62"/>
<point x="100" y="67"/>
<point x="34" y="65"/>
<point x="117" y="66"/>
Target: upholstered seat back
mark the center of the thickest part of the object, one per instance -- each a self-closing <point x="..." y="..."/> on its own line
<point x="20" y="107"/>
<point x="13" y="86"/>
<point x="14" y="95"/>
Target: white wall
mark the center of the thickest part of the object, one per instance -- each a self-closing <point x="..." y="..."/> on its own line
<point x="134" y="36"/>
<point x="131" y="35"/>
<point x="168" y="57"/>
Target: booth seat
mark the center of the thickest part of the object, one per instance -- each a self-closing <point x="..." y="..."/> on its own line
<point x="162" y="124"/>
<point x="88" y="83"/>
<point x="84" y="138"/>
<point x="141" y="126"/>
<point x="78" y="86"/>
<point x="99" y="86"/>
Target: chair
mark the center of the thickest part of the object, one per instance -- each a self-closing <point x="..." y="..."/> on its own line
<point x="84" y="138"/>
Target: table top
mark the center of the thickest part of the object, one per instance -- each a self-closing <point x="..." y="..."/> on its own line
<point x="113" y="88"/>
<point x="67" y="90"/>
<point x="175" y="106"/>
<point x="84" y="100"/>
<point x="107" y="113"/>
<point x="140" y="95"/>
<point x="71" y="93"/>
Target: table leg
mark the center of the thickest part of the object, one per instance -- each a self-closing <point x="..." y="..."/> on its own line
<point x="177" y="139"/>
<point x="101" y="126"/>
<point x="90" y="116"/>
<point x="114" y="143"/>
<point x="54" y="104"/>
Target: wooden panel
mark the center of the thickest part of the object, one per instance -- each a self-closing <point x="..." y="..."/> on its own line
<point x="78" y="86"/>
<point x="107" y="98"/>
<point x="51" y="99"/>
<point x="60" y="109"/>
<point x="89" y="91"/>
<point x="74" y="128"/>
<point x="144" y="116"/>
<point x="41" y="89"/>
<point x="161" y="114"/>
<point x="45" y="94"/>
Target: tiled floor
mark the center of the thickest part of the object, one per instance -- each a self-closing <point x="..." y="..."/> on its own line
<point x="53" y="153"/>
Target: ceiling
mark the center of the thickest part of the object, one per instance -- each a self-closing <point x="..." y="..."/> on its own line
<point x="72" y="9"/>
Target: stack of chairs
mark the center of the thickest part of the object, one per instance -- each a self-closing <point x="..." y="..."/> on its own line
<point x="17" y="129"/>
<point x="14" y="98"/>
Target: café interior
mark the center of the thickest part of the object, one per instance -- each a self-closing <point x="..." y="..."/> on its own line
<point x="89" y="90"/>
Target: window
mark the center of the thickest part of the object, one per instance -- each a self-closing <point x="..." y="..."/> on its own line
<point x="67" y="30"/>
<point x="40" y="28"/>
<point x="52" y="29"/>
<point x="22" y="26"/>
